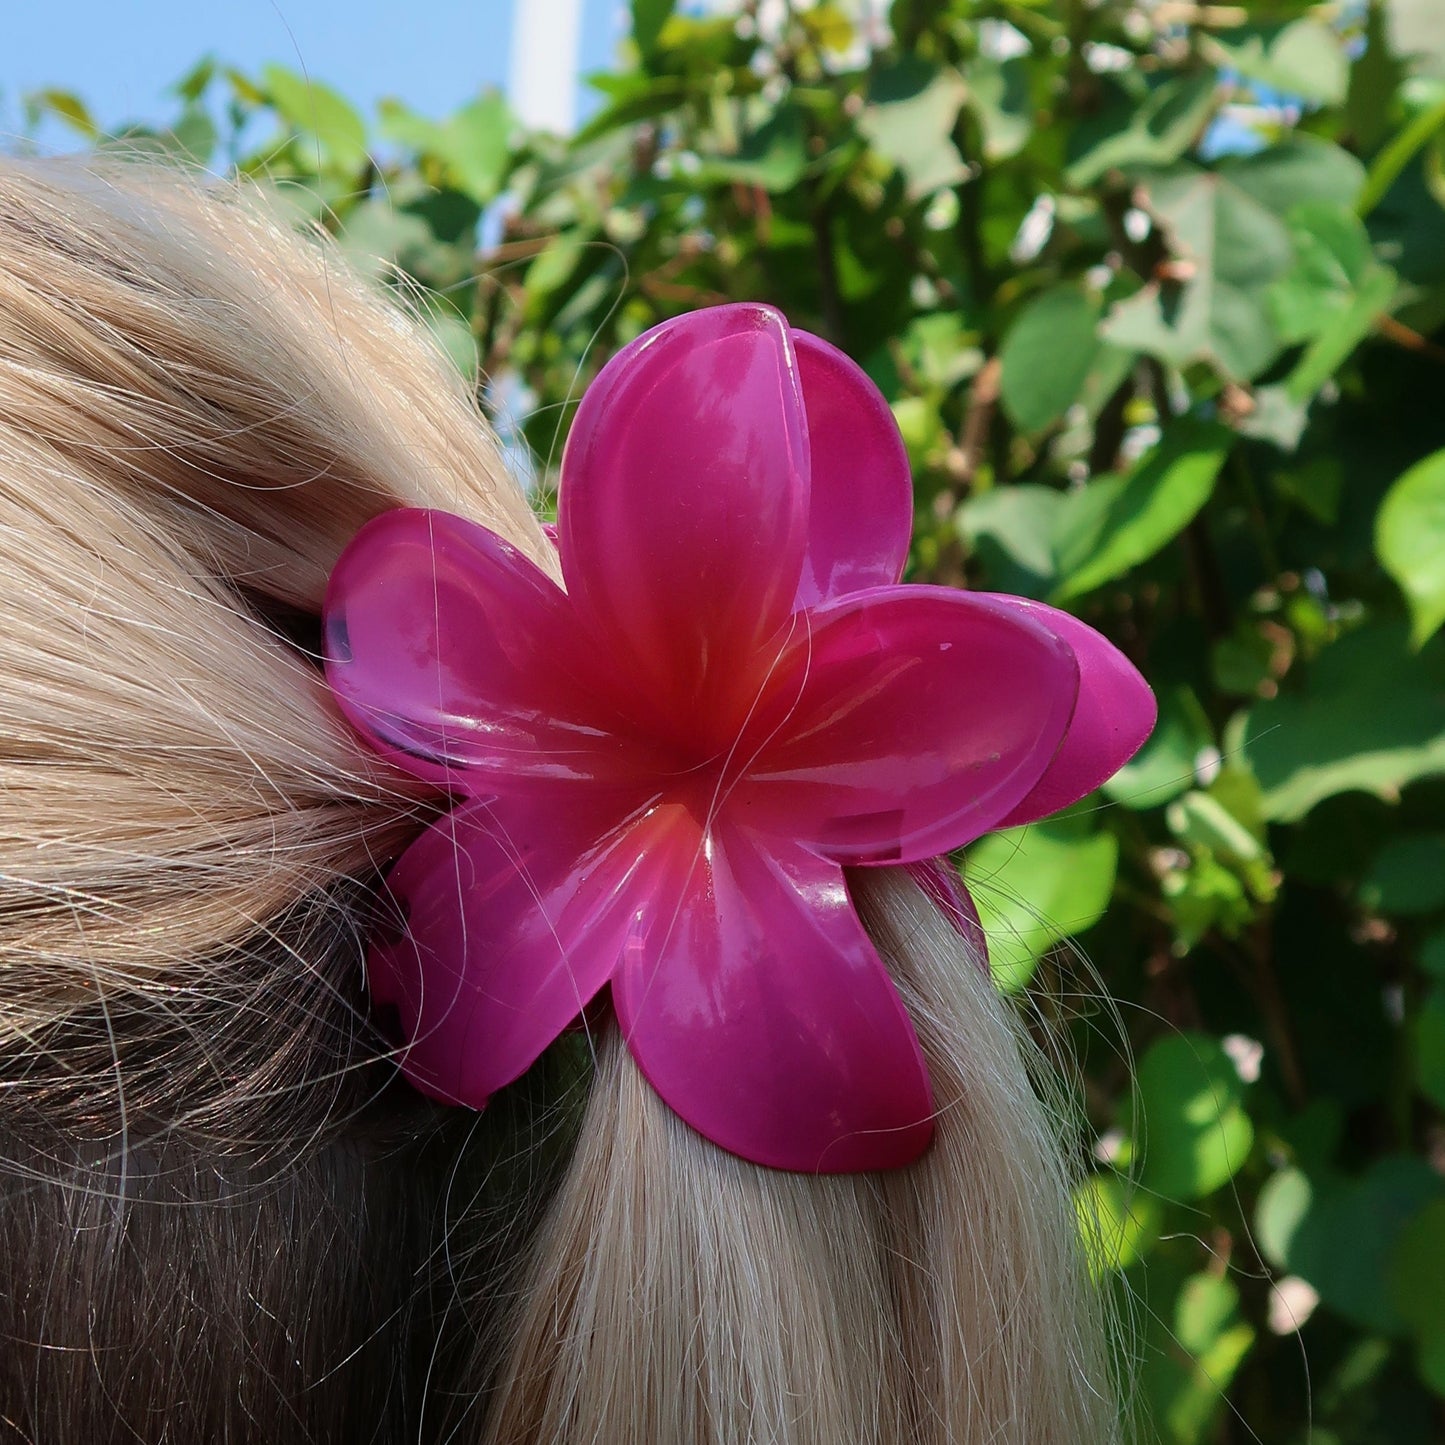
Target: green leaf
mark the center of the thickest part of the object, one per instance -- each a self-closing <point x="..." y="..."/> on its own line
<point x="1410" y="542"/>
<point x="1333" y="346"/>
<point x="1119" y="1222"/>
<point x="998" y="94"/>
<point x="1432" y="954"/>
<point x="642" y="97"/>
<point x="1242" y="661"/>
<point x="1339" y="1234"/>
<point x="1208" y="1318"/>
<point x="1312" y="1136"/>
<point x="1232" y="250"/>
<point x="648" y="18"/>
<point x="1430" y="1356"/>
<point x="920" y="427"/>
<point x="909" y="119"/>
<point x="243" y="88"/>
<point x="454" y="337"/>
<point x="1226" y="232"/>
<point x="195" y="135"/>
<point x="1117" y="522"/>
<point x="474" y="145"/>
<point x="1369" y="718"/>
<point x="400" y="123"/>
<point x="774" y="156"/>
<point x="555" y="265"/>
<point x="1191" y="1134"/>
<point x="1315" y="486"/>
<point x="197" y="80"/>
<point x="1416" y="1269"/>
<point x="1416" y="35"/>
<point x="317" y="110"/>
<point x="1165" y="766"/>
<point x="1012" y="529"/>
<point x="1110" y="370"/>
<point x="1389" y="165"/>
<point x="1304" y="58"/>
<point x="1154" y="133"/>
<point x="1374" y="81"/>
<point x="1429" y="1032"/>
<point x="1204" y="822"/>
<point x="1210" y="1327"/>
<point x="1284" y="1204"/>
<point x="1277" y="418"/>
<point x="1037" y="885"/>
<point x="1236" y="790"/>
<point x="378" y="236"/>
<point x="828" y="26"/>
<point x="1205" y="895"/>
<point x="1407" y="876"/>
<point x="67" y="106"/>
<point x="1299" y="168"/>
<point x="452" y="216"/>
<point x="1332" y="256"/>
<point x="1190" y="1358"/>
<point x="1047" y="355"/>
<point x="941" y="349"/>
<point x="189" y="142"/>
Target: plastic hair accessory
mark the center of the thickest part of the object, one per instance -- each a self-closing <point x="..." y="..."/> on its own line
<point x="663" y="770"/>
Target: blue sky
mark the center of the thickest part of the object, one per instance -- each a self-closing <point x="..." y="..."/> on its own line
<point x="120" y="55"/>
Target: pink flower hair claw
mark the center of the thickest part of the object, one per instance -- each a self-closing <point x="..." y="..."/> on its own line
<point x="663" y="770"/>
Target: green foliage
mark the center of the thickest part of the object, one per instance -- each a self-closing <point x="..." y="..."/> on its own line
<point x="317" y="113"/>
<point x="1346" y="1235"/>
<point x="1120" y="1223"/>
<point x="1195" y="1344"/>
<point x="1225" y="227"/>
<point x="1035" y="886"/>
<point x="648" y="18"/>
<point x="1410" y="538"/>
<point x="1191" y="1133"/>
<point x="1367" y="716"/>
<point x="909" y="119"/>
<point x="1115" y="523"/>
<point x="1051" y="349"/>
<point x="1159" y="304"/>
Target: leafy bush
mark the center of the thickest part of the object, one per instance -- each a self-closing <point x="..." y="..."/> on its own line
<point x="1156" y="292"/>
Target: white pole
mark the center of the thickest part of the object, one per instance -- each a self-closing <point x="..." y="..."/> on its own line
<point x="546" y="43"/>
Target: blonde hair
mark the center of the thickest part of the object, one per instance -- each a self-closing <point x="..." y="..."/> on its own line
<point x="219" y="1211"/>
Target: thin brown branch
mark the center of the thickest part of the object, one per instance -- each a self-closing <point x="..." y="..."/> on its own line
<point x="978" y="419"/>
<point x="830" y="298"/>
<point x="677" y="293"/>
<point x="1210" y="17"/>
<point x="1410" y="339"/>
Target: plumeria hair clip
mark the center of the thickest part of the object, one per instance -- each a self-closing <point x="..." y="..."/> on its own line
<point x="662" y="770"/>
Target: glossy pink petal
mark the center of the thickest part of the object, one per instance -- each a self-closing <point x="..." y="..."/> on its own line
<point x="684" y="508"/>
<point x="905" y="722"/>
<point x="1115" y="714"/>
<point x="862" y="491"/>
<point x="761" y="1013"/>
<point x="514" y="919"/>
<point x="452" y="652"/>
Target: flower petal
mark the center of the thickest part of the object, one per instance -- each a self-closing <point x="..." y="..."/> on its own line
<point x="761" y="1012"/>
<point x="454" y="654"/>
<point x="684" y="505"/>
<point x="515" y="917"/>
<point x="907" y="721"/>
<point x="1115" y="714"/>
<point x="861" y="513"/>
